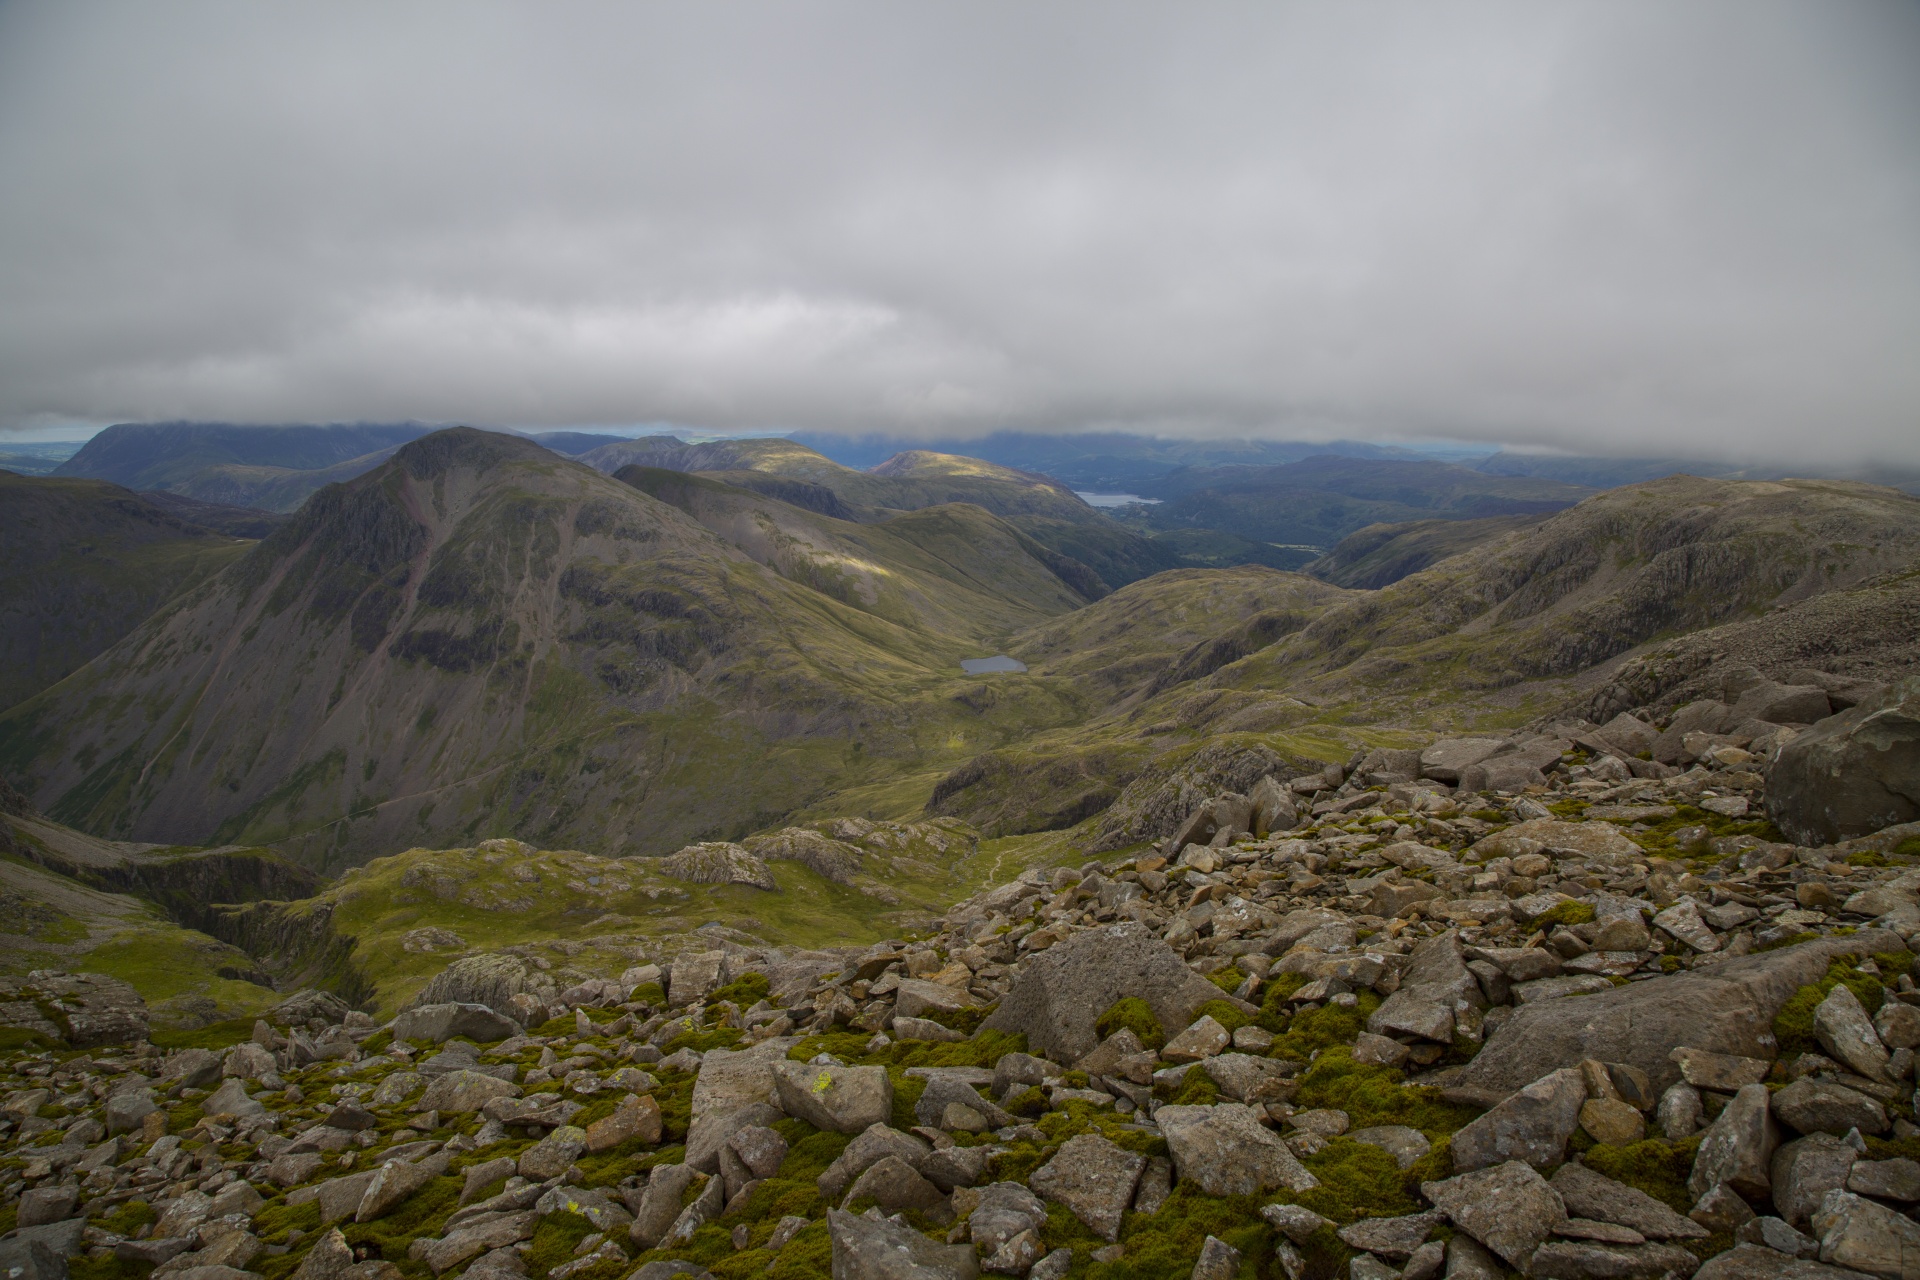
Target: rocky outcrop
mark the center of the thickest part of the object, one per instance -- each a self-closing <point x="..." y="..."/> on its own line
<point x="1851" y="774"/>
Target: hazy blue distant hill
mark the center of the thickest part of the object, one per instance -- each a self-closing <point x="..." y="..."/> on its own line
<point x="168" y="455"/>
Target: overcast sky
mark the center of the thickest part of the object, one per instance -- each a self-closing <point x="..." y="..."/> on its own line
<point x="1618" y="227"/>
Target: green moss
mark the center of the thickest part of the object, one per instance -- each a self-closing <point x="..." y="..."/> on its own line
<point x="421" y="1214"/>
<point x="1227" y="1014"/>
<point x="554" y="1241"/>
<point x="1655" y="1166"/>
<point x="1196" y="1089"/>
<point x="129" y="1217"/>
<point x="1908" y="848"/>
<point x="809" y="1151"/>
<point x="1572" y="911"/>
<point x="1323" y="1028"/>
<point x="1868" y="858"/>
<point x="1030" y="1101"/>
<point x="1793" y="1026"/>
<point x="1358" y="1181"/>
<point x="274" y="1221"/>
<point x="808" y="1256"/>
<point x="650" y="993"/>
<point x="746" y="991"/>
<point x="1227" y="979"/>
<point x="1373" y="1095"/>
<point x="1166" y="1245"/>
<point x="1135" y="1015"/>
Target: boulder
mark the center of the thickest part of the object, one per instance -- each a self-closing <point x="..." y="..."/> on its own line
<point x="1218" y="1260"/>
<point x="869" y="1148"/>
<point x="1594" y="1260"/>
<point x="729" y="1080"/>
<point x="1809" y="1105"/>
<point x="718" y="862"/>
<point x="1509" y="1208"/>
<point x="1093" y="1178"/>
<point x="1407" y="1146"/>
<point x="1501" y="773"/>
<point x="1226" y="1151"/>
<point x="633" y="1117"/>
<point x="1851" y="774"/>
<point x="1805" y="1170"/>
<point x="658" y="1204"/>
<point x="840" y="1099"/>
<point x="1841" y="1025"/>
<point x="1203" y="1039"/>
<point x="864" y="1249"/>
<point x="1695" y="717"/>
<point x="232" y="1098"/>
<point x="915" y="998"/>
<point x="1721" y="1072"/>
<point x="47" y="1204"/>
<point x="464" y="1090"/>
<point x="1060" y="994"/>
<point x="1728" y="1008"/>
<point x="1532" y="1125"/>
<point x="761" y="1150"/>
<point x="437" y="1023"/>
<point x="554" y="1154"/>
<point x="1781" y="704"/>
<point x="124" y="1111"/>
<point x="490" y="979"/>
<point x="395" y="1180"/>
<point x="1756" y="1262"/>
<point x="1587" y="1194"/>
<point x="1855" y="1232"/>
<point x="30" y="1259"/>
<point x="694" y="974"/>
<point x="1446" y="759"/>
<point x="1394" y="1238"/>
<point x="1628" y="735"/>
<point x="1598" y="841"/>
<point x="1738" y="1147"/>
<point x="893" y="1184"/>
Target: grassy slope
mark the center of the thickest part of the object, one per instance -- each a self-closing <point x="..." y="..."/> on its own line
<point x="1382" y="554"/>
<point x="86" y="563"/>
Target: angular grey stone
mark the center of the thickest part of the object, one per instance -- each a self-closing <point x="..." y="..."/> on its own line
<point x="1850" y="774"/>
<point x="1296" y="1222"/>
<point x="1093" y="1178"/>
<point x="489" y="978"/>
<point x="1681" y="1111"/>
<point x="1722" y="1072"/>
<point x="1446" y="759"/>
<point x="659" y="1203"/>
<point x="124" y="1111"/>
<point x="1407" y="1146"/>
<point x="840" y="1099"/>
<point x="1468" y="1259"/>
<point x="437" y="1023"/>
<point x="1509" y="1208"/>
<point x="942" y="1092"/>
<point x="47" y="1204"/>
<point x="27" y="1259"/>
<point x="1590" y="1260"/>
<point x="1721" y="1210"/>
<point x="1728" y="1008"/>
<point x="705" y="1208"/>
<point x="893" y="1184"/>
<point x="868" y="1149"/>
<point x="396" y="1180"/>
<point x="1006" y="1210"/>
<point x="956" y="1166"/>
<point x="1738" y="1147"/>
<point x="1435" y="987"/>
<point x="1896" y="1179"/>
<point x="1243" y="1077"/>
<point x="1810" y="1105"/>
<point x="1753" y="1262"/>
<point x="1533" y="1125"/>
<point x="463" y="1090"/>
<point x="1226" y="1151"/>
<point x="1060" y="994"/>
<point x="231" y="1098"/>
<point x="1394" y="1238"/>
<point x="1777" y="1235"/>
<point x="1218" y="1260"/>
<point x="554" y="1154"/>
<point x="1593" y="1195"/>
<point x="761" y="1149"/>
<point x="1054" y="1266"/>
<point x="695" y="973"/>
<point x="1156" y="1184"/>
<point x="729" y="1082"/>
<point x="1841" y="1025"/>
<point x="1856" y="1232"/>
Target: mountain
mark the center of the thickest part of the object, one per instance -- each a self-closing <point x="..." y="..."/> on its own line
<point x="1605" y="473"/>
<point x="169" y="455"/>
<point x="1382" y="554"/>
<point x="1039" y="506"/>
<point x="86" y="563"/>
<point x="1318" y="501"/>
<point x="572" y="443"/>
<point x="480" y="637"/>
<point x="235" y="522"/>
<point x="1099" y="462"/>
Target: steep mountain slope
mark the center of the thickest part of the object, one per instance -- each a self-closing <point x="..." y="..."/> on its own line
<point x="1581" y="587"/>
<point x="1041" y="508"/>
<point x="1318" y="501"/>
<point x="235" y="522"/>
<point x="1382" y="554"/>
<point x="278" y="489"/>
<point x="85" y="563"/>
<point x="166" y="455"/>
<point x="481" y="637"/>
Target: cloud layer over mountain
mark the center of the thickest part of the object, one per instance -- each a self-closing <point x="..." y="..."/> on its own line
<point x="1605" y="227"/>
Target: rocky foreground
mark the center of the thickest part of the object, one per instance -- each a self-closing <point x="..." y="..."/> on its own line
<point x="1554" y="1005"/>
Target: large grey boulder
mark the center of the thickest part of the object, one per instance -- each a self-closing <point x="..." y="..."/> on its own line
<point x="868" y="1149"/>
<point x="1738" y="1148"/>
<point x="464" y="1090"/>
<point x="1728" y="1008"/>
<point x="490" y="979"/>
<point x="1228" y="1152"/>
<point x="841" y="1099"/>
<point x="1094" y="1178"/>
<point x="864" y="1249"/>
<point x="1851" y="774"/>
<point x="1597" y="1197"/>
<point x="1435" y="989"/>
<point x="1696" y="717"/>
<point x="1855" y="1232"/>
<point x="441" y="1022"/>
<point x="1446" y="759"/>
<point x="1060" y="994"/>
<point x="1821" y="1106"/>
<point x="1805" y="1170"/>
<point x="730" y="1080"/>
<point x="1757" y="1262"/>
<point x="1533" y="1125"/>
<point x="1509" y="1208"/>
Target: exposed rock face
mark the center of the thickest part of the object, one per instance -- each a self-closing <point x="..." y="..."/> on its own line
<point x="1062" y="992"/>
<point x="1851" y="774"/>
<point x="868" y="1250"/>
<point x="719" y="862"/>
<point x="1728" y="1008"/>
<point x="1226" y="1152"/>
<point x="442" y="1022"/>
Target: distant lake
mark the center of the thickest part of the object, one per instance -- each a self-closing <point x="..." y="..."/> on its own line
<point x="1110" y="499"/>
<point x="991" y="666"/>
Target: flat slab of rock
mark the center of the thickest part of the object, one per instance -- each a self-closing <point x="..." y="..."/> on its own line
<point x="1738" y="1148"/>
<point x="1594" y="1195"/>
<point x="1821" y="1106"/>
<point x="867" y="1250"/>
<point x="1754" y="1262"/>
<point x="842" y="1099"/>
<point x="1856" y="1232"/>
<point x="1509" y="1208"/>
<point x="1728" y="1009"/>
<point x="1094" y="1178"/>
<point x="1228" y="1152"/>
<point x="442" y="1022"/>
<point x="1805" y="1170"/>
<point x="1533" y="1125"/>
<point x="1060" y="994"/>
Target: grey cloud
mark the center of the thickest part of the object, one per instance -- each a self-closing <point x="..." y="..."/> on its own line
<point x="1598" y="226"/>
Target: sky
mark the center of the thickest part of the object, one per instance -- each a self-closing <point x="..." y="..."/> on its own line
<point x="1606" y="228"/>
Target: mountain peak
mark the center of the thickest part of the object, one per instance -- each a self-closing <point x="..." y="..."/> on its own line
<point x="469" y="447"/>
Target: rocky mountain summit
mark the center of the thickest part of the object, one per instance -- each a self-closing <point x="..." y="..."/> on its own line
<point x="1560" y="1003"/>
